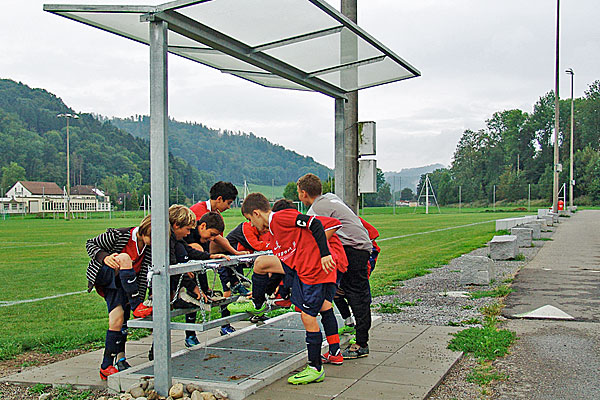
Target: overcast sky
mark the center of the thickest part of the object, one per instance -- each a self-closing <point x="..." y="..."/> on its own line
<point x="476" y="57"/>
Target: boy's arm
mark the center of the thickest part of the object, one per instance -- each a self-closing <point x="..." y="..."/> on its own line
<point x="98" y="248"/>
<point x="194" y="254"/>
<point x="226" y="246"/>
<point x="316" y="228"/>
<point x="253" y="238"/>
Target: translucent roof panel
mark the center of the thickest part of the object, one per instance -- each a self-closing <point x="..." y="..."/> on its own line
<point x="292" y="44"/>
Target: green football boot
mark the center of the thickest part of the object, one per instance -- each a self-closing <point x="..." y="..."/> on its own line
<point x="248" y="307"/>
<point x="307" y="375"/>
<point x="347" y="330"/>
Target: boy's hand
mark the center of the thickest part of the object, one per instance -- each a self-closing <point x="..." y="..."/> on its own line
<point x="241" y="253"/>
<point x="328" y="264"/>
<point x="220" y="256"/>
<point x="191" y="275"/>
<point x="111" y="261"/>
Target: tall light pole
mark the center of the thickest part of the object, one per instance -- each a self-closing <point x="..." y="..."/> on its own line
<point x="571" y="181"/>
<point x="556" y="112"/>
<point x="68" y="117"/>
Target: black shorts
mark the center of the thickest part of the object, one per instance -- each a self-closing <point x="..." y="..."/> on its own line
<point x="227" y="276"/>
<point x="112" y="287"/>
<point x="308" y="298"/>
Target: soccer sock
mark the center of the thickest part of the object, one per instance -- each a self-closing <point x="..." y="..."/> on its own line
<point x="111" y="348"/>
<point x="259" y="285"/>
<point x="313" y="344"/>
<point x="122" y="340"/>
<point x="273" y="283"/>
<point x="190" y="319"/>
<point x="342" y="305"/>
<point x="349" y="321"/>
<point x="331" y="331"/>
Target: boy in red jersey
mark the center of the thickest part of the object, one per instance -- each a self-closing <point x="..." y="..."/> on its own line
<point x="118" y="269"/>
<point x="304" y="256"/>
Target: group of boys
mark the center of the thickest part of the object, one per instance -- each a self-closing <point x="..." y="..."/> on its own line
<point x="318" y="259"/>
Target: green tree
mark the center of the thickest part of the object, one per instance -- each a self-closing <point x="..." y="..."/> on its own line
<point x="11" y="174"/>
<point x="407" y="194"/>
<point x="291" y="192"/>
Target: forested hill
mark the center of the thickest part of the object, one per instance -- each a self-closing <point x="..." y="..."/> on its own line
<point x="229" y="155"/>
<point x="33" y="147"/>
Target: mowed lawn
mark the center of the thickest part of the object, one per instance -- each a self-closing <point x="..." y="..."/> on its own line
<point x="40" y="258"/>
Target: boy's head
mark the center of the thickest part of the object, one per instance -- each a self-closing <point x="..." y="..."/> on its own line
<point x="309" y="188"/>
<point x="223" y="194"/>
<point x="210" y="226"/>
<point x="182" y="219"/>
<point x="283" y="204"/>
<point x="256" y="209"/>
<point x="144" y="231"/>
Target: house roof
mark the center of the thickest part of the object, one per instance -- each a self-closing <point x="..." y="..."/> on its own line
<point x="41" y="188"/>
<point x="83" y="190"/>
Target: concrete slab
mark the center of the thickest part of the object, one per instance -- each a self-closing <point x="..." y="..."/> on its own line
<point x="379" y="391"/>
<point x="417" y="377"/>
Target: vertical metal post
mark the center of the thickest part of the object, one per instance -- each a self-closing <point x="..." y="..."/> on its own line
<point x="529" y="198"/>
<point x="459" y="198"/>
<point x="349" y="49"/>
<point x="68" y="216"/>
<point x="159" y="177"/>
<point x="494" y="197"/>
<point x="556" y="115"/>
<point x="426" y="194"/>
<point x="571" y="181"/>
<point x="340" y="171"/>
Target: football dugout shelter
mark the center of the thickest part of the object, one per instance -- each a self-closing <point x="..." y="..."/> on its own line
<point x="288" y="44"/>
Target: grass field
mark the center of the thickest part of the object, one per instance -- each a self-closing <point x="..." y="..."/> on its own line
<point x="40" y="258"/>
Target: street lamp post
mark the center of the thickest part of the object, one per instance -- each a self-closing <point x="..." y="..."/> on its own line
<point x="571" y="181"/>
<point x="68" y="117"/>
<point x="556" y="112"/>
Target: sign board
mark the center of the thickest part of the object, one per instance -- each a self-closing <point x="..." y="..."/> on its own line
<point x="366" y="138"/>
<point x="367" y="176"/>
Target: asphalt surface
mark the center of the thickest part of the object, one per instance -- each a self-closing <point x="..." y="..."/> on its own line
<point x="556" y="359"/>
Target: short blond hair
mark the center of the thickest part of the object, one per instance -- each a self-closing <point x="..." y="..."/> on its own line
<point x="181" y="216"/>
<point x="145" y="226"/>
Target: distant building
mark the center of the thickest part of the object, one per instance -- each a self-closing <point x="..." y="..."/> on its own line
<point x="27" y="197"/>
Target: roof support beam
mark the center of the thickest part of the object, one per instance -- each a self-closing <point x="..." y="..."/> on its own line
<point x="346" y="66"/>
<point x="204" y="34"/>
<point x="297" y="39"/>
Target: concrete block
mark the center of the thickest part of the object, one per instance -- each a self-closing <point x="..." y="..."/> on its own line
<point x="476" y="270"/>
<point x="503" y="247"/>
<point x="554" y="217"/>
<point x="542" y="212"/>
<point x="524" y="236"/>
<point x="549" y="220"/>
<point x="536" y="229"/>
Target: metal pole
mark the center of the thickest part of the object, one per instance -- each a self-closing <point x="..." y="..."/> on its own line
<point x="159" y="167"/>
<point x="340" y="172"/>
<point x="68" y="175"/>
<point x="556" y="112"/>
<point x="349" y="53"/>
<point x="426" y="194"/>
<point x="571" y="181"/>
<point x="494" y="197"/>
<point x="459" y="198"/>
<point x="529" y="198"/>
<point x="394" y="195"/>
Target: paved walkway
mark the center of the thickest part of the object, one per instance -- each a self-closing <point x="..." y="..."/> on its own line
<point x="557" y="359"/>
<point x="406" y="362"/>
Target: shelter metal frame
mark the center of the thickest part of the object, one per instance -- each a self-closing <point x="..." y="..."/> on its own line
<point x="167" y="17"/>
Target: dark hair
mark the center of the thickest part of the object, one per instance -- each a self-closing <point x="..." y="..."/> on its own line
<point x="224" y="189"/>
<point x="255" y="201"/>
<point x="213" y="220"/>
<point x="311" y="184"/>
<point x="283" y="204"/>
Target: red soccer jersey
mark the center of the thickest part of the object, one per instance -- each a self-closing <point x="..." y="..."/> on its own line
<point x="373" y="233"/>
<point x="132" y="250"/>
<point x="295" y="245"/>
<point x="335" y="244"/>
<point x="201" y="208"/>
<point x="256" y="240"/>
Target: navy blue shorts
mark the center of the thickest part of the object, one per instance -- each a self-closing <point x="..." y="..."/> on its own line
<point x="112" y="287"/>
<point x="308" y="298"/>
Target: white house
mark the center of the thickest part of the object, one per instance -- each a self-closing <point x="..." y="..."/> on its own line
<point x="27" y="197"/>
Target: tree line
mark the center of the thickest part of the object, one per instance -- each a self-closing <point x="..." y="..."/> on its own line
<point x="512" y="156"/>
